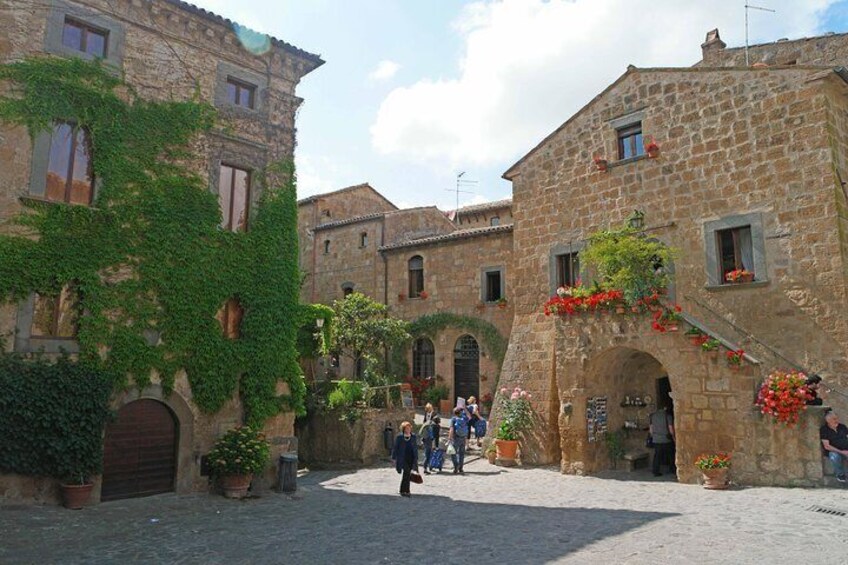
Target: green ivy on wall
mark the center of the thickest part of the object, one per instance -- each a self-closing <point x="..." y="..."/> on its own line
<point x="148" y="258"/>
<point x="431" y="324"/>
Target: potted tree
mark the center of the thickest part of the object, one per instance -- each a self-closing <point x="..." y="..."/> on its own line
<point x="237" y="456"/>
<point x="80" y="461"/>
<point x="516" y="416"/>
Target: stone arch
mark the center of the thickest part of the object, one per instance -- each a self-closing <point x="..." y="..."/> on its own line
<point x="179" y="407"/>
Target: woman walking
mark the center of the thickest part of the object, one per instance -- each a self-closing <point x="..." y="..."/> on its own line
<point x="405" y="456"/>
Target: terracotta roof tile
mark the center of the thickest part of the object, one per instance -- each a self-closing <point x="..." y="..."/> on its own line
<point x="453" y="236"/>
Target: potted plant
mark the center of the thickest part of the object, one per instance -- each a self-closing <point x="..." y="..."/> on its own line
<point x="424" y="295"/>
<point x="80" y="461"/>
<point x="714" y="468"/>
<point x="237" y="456"/>
<point x="696" y="336"/>
<point x="739" y="276"/>
<point x="615" y="446"/>
<point x="651" y="147"/>
<point x="486" y="402"/>
<point x="76" y="488"/>
<point x="600" y="163"/>
<point x="783" y="396"/>
<point x="734" y="358"/>
<point x="440" y="395"/>
<point x="501" y="302"/>
<point x="666" y="319"/>
<point x="516" y="416"/>
<point x="710" y="347"/>
<point x="492" y="453"/>
<point x="401" y="297"/>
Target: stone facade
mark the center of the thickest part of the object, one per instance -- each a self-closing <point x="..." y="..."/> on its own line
<point x="762" y="148"/>
<point x="171" y="50"/>
<point x="365" y="245"/>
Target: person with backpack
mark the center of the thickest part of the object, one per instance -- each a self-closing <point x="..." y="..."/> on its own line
<point x="457" y="436"/>
<point x="430" y="435"/>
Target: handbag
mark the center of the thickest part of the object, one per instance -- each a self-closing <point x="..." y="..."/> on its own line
<point x="649" y="442"/>
<point x="451" y="449"/>
<point x="416" y="478"/>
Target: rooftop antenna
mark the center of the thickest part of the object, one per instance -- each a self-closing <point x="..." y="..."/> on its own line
<point x="749" y="7"/>
<point x="461" y="183"/>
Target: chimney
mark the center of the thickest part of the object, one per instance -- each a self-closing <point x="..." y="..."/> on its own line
<point x="711" y="46"/>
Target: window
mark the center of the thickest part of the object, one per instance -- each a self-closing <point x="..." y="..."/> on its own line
<point x="567" y="269"/>
<point x="363" y="239"/>
<point x="423" y="359"/>
<point x="347" y="289"/>
<point x="495" y="221"/>
<point x="326" y="246"/>
<point x="735" y="250"/>
<point x="240" y="93"/>
<point x="630" y="141"/>
<point x="326" y="213"/>
<point x="230" y="316"/>
<point x="56" y="317"/>
<point x="84" y="38"/>
<point x="69" y="177"/>
<point x="234" y="196"/>
<point x="416" y="276"/>
<point x="493" y="286"/>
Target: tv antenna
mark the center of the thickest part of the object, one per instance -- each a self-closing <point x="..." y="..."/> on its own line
<point x="749" y="7"/>
<point x="460" y="184"/>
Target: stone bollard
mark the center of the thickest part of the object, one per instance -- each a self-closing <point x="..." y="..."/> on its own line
<point x="287" y="473"/>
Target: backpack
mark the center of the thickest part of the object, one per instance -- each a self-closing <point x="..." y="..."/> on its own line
<point x="460" y="426"/>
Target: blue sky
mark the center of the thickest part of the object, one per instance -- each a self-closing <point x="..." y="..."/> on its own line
<point x="415" y="91"/>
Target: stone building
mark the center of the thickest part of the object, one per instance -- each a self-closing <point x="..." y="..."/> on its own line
<point x="749" y="175"/>
<point x="418" y="261"/>
<point x="166" y="50"/>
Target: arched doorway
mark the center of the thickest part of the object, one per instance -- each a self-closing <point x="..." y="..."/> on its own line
<point x="140" y="451"/>
<point x="466" y="367"/>
<point x="623" y="387"/>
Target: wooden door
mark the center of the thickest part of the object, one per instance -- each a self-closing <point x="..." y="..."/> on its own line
<point x="140" y="451"/>
<point x="466" y="367"/>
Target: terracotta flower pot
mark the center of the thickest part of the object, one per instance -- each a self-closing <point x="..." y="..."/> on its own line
<point x="671" y="328"/>
<point x="696" y="341"/>
<point x="620" y="309"/>
<point x="653" y="151"/>
<point x="445" y="407"/>
<point x="715" y="479"/>
<point x="76" y="496"/>
<point x="713" y="354"/>
<point x="235" y="486"/>
<point x="507" y="448"/>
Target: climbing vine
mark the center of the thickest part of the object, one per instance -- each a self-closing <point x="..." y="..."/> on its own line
<point x="430" y="324"/>
<point x="148" y="260"/>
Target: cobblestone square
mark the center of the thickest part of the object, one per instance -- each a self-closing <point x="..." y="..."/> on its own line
<point x="490" y="515"/>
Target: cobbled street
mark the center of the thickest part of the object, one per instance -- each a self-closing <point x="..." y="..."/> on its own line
<point x="490" y="515"/>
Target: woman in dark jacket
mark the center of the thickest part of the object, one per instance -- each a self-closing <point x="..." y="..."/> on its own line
<point x="405" y="456"/>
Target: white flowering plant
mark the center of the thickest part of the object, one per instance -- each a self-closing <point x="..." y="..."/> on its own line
<point x="241" y="451"/>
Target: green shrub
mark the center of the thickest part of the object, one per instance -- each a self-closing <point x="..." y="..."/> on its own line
<point x="435" y="393"/>
<point x="241" y="451"/>
<point x="346" y="394"/>
<point x="52" y="418"/>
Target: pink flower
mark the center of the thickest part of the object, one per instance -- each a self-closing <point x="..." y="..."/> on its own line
<point x="504" y="390"/>
<point x="514" y="396"/>
<point x="524" y="394"/>
<point x="517" y="389"/>
<point x="529" y="395"/>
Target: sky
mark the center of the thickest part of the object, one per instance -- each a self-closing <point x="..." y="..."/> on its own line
<point x="415" y="92"/>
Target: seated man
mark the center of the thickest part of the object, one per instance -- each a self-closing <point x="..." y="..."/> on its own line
<point x="834" y="438"/>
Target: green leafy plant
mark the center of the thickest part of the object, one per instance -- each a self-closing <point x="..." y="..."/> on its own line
<point x="52" y="417"/>
<point x="240" y="451"/>
<point x="707" y="461"/>
<point x="149" y="256"/>
<point x="626" y="260"/>
<point x="615" y="445"/>
<point x="711" y="344"/>
<point x="515" y="411"/>
<point x="434" y="394"/>
<point x="348" y="399"/>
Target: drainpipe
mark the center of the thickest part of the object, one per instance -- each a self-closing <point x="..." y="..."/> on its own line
<point x="314" y="248"/>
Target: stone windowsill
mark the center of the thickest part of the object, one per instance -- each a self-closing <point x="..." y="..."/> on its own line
<point x="622" y="162"/>
<point x="736" y="286"/>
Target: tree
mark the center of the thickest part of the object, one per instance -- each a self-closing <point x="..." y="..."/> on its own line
<point x="363" y="330"/>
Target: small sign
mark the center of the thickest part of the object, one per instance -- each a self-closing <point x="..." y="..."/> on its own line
<point x="406" y="396"/>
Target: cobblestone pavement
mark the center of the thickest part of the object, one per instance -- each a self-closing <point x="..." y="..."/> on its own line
<point x="490" y="515"/>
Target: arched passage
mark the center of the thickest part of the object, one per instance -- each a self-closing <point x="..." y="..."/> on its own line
<point x="623" y="387"/>
<point x="466" y="367"/>
<point x="140" y="451"/>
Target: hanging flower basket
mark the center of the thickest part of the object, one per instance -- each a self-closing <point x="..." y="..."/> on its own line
<point x="734" y="358"/>
<point x="783" y="396"/>
<point x="651" y="147"/>
<point x="601" y="164"/>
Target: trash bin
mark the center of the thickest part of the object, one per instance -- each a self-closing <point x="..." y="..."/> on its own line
<point x="287" y="473"/>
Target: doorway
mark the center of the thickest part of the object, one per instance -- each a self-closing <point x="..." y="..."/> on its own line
<point x="466" y="367"/>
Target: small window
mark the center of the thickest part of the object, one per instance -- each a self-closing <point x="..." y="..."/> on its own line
<point x="416" y="276"/>
<point x="326" y="246"/>
<point x="735" y="251"/>
<point x="234" y="196"/>
<point x="240" y="93"/>
<point x="568" y="269"/>
<point x="347" y="289"/>
<point x="69" y="175"/>
<point x="495" y="221"/>
<point x="363" y="239"/>
<point x="423" y="359"/>
<point x="56" y="317"/>
<point x="230" y="316"/>
<point x="630" y="141"/>
<point x="326" y="213"/>
<point x="493" y="286"/>
<point x="84" y="38"/>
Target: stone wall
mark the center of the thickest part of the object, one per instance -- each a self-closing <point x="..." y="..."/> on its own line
<point x="826" y="50"/>
<point x="733" y="142"/>
<point x="325" y="440"/>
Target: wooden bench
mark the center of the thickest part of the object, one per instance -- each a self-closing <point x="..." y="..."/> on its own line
<point x="636" y="460"/>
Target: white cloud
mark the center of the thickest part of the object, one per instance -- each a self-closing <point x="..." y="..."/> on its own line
<point x="316" y="175"/>
<point x="385" y="70"/>
<point x="530" y="64"/>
